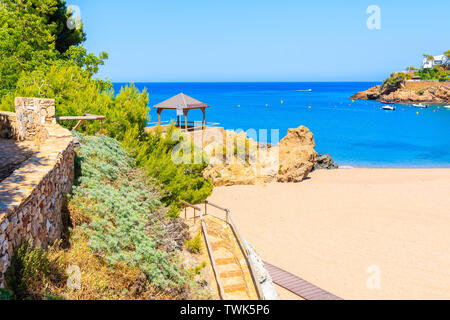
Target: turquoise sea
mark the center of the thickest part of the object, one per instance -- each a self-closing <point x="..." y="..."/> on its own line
<point x="354" y="133"/>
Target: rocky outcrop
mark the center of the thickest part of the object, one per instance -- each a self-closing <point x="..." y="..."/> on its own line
<point x="435" y="94"/>
<point x="325" y="162"/>
<point x="290" y="161"/>
<point x="370" y="94"/>
<point x="237" y="160"/>
<point x="430" y="92"/>
<point x="297" y="155"/>
<point x="231" y="174"/>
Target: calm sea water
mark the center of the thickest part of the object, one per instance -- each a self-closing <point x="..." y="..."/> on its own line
<point x="354" y="133"/>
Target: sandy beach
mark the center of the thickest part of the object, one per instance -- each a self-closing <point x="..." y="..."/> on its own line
<point x="345" y="229"/>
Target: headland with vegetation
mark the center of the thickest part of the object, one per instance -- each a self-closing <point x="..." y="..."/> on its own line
<point x="429" y="84"/>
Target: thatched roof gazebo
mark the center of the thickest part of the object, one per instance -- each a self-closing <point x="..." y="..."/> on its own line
<point x="182" y="104"/>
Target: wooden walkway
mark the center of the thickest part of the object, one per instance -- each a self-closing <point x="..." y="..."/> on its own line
<point x="297" y="285"/>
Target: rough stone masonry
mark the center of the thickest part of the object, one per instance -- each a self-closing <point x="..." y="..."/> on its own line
<point x="31" y="198"/>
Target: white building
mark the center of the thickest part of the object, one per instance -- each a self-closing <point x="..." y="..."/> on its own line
<point x="438" y="60"/>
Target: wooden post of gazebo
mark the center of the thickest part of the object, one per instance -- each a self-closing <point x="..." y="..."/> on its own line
<point x="204" y="118"/>
<point x="159" y="117"/>
<point x="185" y="111"/>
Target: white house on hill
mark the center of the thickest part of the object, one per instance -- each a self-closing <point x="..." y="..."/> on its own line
<point x="438" y="60"/>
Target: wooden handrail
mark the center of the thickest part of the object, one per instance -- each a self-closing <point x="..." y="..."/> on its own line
<point x="86" y="117"/>
<point x="208" y="247"/>
<point x="242" y="245"/>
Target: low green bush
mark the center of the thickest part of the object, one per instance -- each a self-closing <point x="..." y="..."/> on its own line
<point x="29" y="271"/>
<point x="125" y="213"/>
<point x="182" y="181"/>
<point x="193" y="245"/>
<point x="435" y="73"/>
<point x="6" y="294"/>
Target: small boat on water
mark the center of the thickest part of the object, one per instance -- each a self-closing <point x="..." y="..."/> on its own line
<point x="447" y="107"/>
<point x="387" y="101"/>
<point x="420" y="105"/>
<point x="389" y="108"/>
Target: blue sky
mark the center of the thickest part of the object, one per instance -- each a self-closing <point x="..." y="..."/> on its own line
<point x="246" y="40"/>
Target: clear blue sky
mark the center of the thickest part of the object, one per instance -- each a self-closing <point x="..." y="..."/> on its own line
<point x="246" y="40"/>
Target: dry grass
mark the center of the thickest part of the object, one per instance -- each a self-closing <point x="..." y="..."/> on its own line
<point x="99" y="281"/>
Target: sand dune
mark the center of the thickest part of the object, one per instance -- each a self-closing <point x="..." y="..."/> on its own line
<point x="338" y="225"/>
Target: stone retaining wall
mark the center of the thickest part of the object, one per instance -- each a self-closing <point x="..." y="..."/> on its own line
<point x="32" y="197"/>
<point x="8" y="125"/>
<point x="420" y="85"/>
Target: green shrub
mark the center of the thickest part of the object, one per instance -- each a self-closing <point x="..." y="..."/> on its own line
<point x="53" y="297"/>
<point x="195" y="271"/>
<point x="29" y="271"/>
<point x="181" y="180"/>
<point x="435" y="73"/>
<point x="76" y="93"/>
<point x="127" y="217"/>
<point x="6" y="294"/>
<point x="194" y="245"/>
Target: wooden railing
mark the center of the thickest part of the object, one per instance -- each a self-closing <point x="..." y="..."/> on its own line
<point x="83" y="119"/>
<point x="208" y="245"/>
<point x="242" y="245"/>
<point x="192" y="125"/>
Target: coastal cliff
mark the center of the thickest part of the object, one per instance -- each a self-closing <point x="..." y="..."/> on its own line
<point x="408" y="92"/>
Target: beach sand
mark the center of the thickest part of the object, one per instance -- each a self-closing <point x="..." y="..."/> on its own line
<point x="343" y="229"/>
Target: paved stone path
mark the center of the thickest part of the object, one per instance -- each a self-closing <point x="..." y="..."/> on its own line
<point x="12" y="155"/>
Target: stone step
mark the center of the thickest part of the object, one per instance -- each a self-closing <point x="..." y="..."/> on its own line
<point x="218" y="245"/>
<point x="222" y="253"/>
<point x="224" y="261"/>
<point x="238" y="295"/>
<point x="234" y="288"/>
<point x="231" y="274"/>
<point x="229" y="267"/>
<point x="234" y="281"/>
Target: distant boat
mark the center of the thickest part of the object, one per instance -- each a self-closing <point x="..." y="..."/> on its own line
<point x="448" y="107"/>
<point x="389" y="108"/>
<point x="308" y="90"/>
<point x="420" y="105"/>
<point x="388" y="101"/>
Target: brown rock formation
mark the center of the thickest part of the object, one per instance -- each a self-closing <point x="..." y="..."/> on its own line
<point x="230" y="174"/>
<point x="412" y="92"/>
<point x="297" y="155"/>
<point x="291" y="161"/>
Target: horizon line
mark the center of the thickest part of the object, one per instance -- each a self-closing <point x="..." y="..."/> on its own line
<point x="360" y="81"/>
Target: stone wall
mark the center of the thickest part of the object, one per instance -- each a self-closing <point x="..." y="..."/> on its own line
<point x="8" y="125"/>
<point x="32" y="197"/>
<point x="32" y="116"/>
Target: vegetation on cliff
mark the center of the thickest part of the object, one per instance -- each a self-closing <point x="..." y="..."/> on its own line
<point x="180" y="175"/>
<point x="393" y="88"/>
<point x="115" y="218"/>
<point x="68" y="77"/>
<point x="122" y="207"/>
